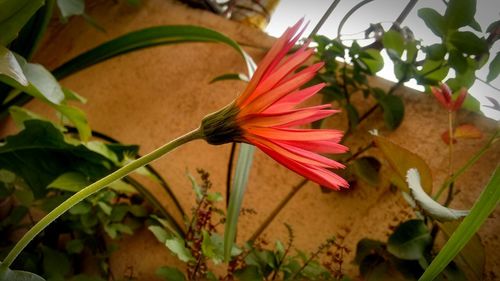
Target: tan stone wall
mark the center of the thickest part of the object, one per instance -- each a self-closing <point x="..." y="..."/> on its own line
<point x="152" y="96"/>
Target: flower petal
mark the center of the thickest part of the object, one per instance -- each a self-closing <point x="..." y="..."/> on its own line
<point x="320" y="146"/>
<point x="297" y="134"/>
<point x="265" y="100"/>
<point x="290" y="101"/>
<point x="288" y="118"/>
<point x="297" y="154"/>
<point x="321" y="176"/>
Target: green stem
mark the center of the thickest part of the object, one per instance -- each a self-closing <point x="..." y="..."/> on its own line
<point x="93" y="188"/>
<point x="467" y="165"/>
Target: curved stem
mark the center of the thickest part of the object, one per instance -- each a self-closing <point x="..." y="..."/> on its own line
<point x="93" y="188"/>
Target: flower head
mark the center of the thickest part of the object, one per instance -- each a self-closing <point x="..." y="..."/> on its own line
<point x="266" y="116"/>
<point x="443" y="95"/>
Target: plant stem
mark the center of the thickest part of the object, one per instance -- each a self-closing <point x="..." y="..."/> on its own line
<point x="93" y="188"/>
<point x="467" y="165"/>
<point x="230" y="172"/>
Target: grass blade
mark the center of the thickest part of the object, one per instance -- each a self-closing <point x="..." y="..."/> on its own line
<point x="243" y="165"/>
<point x="486" y="203"/>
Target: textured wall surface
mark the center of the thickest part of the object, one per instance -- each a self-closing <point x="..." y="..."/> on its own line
<point x="152" y="96"/>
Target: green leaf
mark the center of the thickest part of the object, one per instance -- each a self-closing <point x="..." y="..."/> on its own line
<point x="494" y="68"/>
<point x="367" y="169"/>
<point x="78" y="118"/>
<point x="55" y="263"/>
<point x="433" y="71"/>
<point x="468" y="43"/>
<point x="458" y="62"/>
<point x="401" y="160"/>
<point x="372" y="60"/>
<point x="14" y="16"/>
<point x="81" y="208"/>
<point x="249" y="273"/>
<point x="10" y="67"/>
<point x="352" y="115"/>
<point x="144" y="38"/>
<point x="213" y="247"/>
<point x="119" y="212"/>
<point x="176" y="246"/>
<point x="6" y="274"/>
<point x="243" y="165"/>
<point x="485" y="204"/>
<point x="393" y="40"/>
<point x="410" y="240"/>
<point x="75" y="246"/>
<point x="70" y="8"/>
<point x="367" y="247"/>
<point x="42" y="84"/>
<point x="394" y="110"/>
<point x="230" y="76"/>
<point x="160" y="233"/>
<point x="21" y="114"/>
<point x="70" y="181"/>
<point x="472" y="257"/>
<point x="459" y="13"/>
<point x="39" y="154"/>
<point x="170" y="274"/>
<point x="434" y="21"/>
<point x="435" y="52"/>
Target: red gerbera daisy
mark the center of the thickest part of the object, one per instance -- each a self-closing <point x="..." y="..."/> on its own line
<point x="266" y="116"/>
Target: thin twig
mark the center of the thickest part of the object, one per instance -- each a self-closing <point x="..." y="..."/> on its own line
<point x="349" y="14"/>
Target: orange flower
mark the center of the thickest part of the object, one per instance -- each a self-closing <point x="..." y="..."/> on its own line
<point x="266" y="116"/>
<point x="443" y="95"/>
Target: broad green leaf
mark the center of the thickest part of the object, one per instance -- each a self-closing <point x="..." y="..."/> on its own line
<point x="401" y="160"/>
<point x="55" y="263"/>
<point x="394" y="110"/>
<point x="435" y="52"/>
<point x="81" y="208"/>
<point x="472" y="104"/>
<point x="410" y="240"/>
<point x="372" y="59"/>
<point x="42" y="84"/>
<point x="427" y="204"/>
<point x="78" y="118"/>
<point x="485" y="204"/>
<point x="7" y="274"/>
<point x="243" y="165"/>
<point x="468" y="43"/>
<point x="14" y="17"/>
<point x="21" y="114"/>
<point x="366" y="247"/>
<point x="70" y="181"/>
<point x="494" y="68"/>
<point x="366" y="168"/>
<point x="230" y="76"/>
<point x="472" y="257"/>
<point x="176" y="246"/>
<point x="434" y="21"/>
<point x="170" y="274"/>
<point x="160" y="233"/>
<point x="70" y="8"/>
<point x="460" y="13"/>
<point x="213" y="247"/>
<point x="394" y="41"/>
<point x="75" y="246"/>
<point x="434" y="71"/>
<point x="39" y="154"/>
<point x="249" y="273"/>
<point x="457" y="61"/>
<point x="10" y="67"/>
